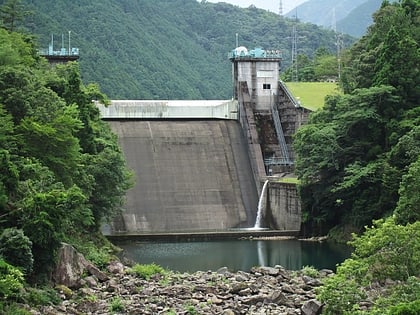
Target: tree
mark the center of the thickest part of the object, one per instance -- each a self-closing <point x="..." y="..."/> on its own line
<point x="11" y="280"/>
<point x="16" y="249"/>
<point x="11" y="14"/>
<point x="339" y="159"/>
<point x="62" y="171"/>
<point x="54" y="143"/>
<point x="386" y="250"/>
<point x="408" y="208"/>
<point x="354" y="177"/>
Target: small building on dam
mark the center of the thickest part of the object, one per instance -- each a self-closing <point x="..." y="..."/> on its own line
<point x="201" y="165"/>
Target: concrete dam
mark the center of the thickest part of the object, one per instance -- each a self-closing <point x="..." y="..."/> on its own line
<point x="191" y="175"/>
<point x="200" y="165"/>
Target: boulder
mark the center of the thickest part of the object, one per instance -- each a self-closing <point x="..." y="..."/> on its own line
<point x="115" y="267"/>
<point x="71" y="266"/>
<point x="311" y="307"/>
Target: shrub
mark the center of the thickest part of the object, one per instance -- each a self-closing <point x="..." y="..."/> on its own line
<point x="310" y="271"/>
<point x="399" y="299"/>
<point x="385" y="251"/>
<point x="15" y="248"/>
<point x="116" y="305"/>
<point x="44" y="296"/>
<point x="341" y="295"/>
<point x="390" y="250"/>
<point x="190" y="310"/>
<point x="11" y="280"/>
<point x="412" y="308"/>
<point x="147" y="271"/>
<point x="12" y="309"/>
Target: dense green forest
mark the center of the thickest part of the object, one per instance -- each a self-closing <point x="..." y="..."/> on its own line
<point x="165" y="49"/>
<point x="62" y="172"/>
<point x="359" y="160"/>
<point x="353" y="154"/>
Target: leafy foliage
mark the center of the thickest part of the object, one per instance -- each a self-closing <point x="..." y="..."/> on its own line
<point x="354" y="152"/>
<point x="116" y="305"/>
<point x="41" y="296"/>
<point x="62" y="172"/>
<point x="147" y="271"/>
<point x="11" y="280"/>
<point x="15" y="248"/>
<point x="323" y="66"/>
<point x="411" y="308"/>
<point x="386" y="251"/>
<point x="408" y="207"/>
<point x="12" y="14"/>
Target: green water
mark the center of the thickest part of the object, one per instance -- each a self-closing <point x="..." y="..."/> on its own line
<point x="237" y="254"/>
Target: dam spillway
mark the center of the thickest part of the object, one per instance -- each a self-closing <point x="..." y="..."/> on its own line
<point x="190" y="175"/>
<point x="199" y="165"/>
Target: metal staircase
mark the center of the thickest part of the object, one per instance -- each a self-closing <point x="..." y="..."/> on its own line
<point x="284" y="159"/>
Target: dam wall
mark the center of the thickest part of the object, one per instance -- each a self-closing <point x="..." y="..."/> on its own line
<point x="190" y="175"/>
<point x="283" y="208"/>
<point x="200" y="165"/>
<point x="169" y="109"/>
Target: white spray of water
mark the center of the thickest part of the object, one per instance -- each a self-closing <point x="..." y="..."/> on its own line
<point x="260" y="207"/>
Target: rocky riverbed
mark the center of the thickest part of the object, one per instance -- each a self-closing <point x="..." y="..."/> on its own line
<point x="263" y="290"/>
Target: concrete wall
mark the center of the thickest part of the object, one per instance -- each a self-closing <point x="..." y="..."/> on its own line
<point x="283" y="210"/>
<point x="178" y="109"/>
<point x="261" y="76"/>
<point x="292" y="117"/>
<point x="190" y="175"/>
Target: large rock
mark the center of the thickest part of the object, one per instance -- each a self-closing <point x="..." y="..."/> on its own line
<point x="312" y="307"/>
<point x="72" y="265"/>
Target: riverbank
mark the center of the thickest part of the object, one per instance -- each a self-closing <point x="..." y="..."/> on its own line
<point x="263" y="290"/>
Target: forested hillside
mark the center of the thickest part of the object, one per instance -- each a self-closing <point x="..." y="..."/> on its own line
<point x="351" y="17"/>
<point x="359" y="19"/>
<point x="323" y="12"/>
<point x="353" y="154"/>
<point x="359" y="160"/>
<point x="165" y="49"/>
<point x="61" y="170"/>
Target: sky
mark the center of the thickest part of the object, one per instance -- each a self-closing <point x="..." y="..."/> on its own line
<point x="271" y="5"/>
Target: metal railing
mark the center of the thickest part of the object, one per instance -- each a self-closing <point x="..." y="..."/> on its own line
<point x="294" y="101"/>
<point x="280" y="136"/>
<point x="277" y="161"/>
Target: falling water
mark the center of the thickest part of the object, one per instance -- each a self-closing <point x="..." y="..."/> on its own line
<point x="260" y="207"/>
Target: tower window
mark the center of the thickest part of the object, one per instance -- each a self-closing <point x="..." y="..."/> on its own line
<point x="266" y="86"/>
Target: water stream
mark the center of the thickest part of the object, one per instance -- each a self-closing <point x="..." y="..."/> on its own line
<point x="260" y="208"/>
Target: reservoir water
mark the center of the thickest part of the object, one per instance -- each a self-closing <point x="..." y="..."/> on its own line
<point x="236" y="254"/>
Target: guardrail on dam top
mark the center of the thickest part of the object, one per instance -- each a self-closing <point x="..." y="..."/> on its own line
<point x="179" y="109"/>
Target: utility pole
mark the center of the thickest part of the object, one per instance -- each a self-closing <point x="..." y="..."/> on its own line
<point x="281" y="8"/>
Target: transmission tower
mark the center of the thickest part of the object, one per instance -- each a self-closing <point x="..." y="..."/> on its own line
<point x="281" y="8"/>
<point x="295" y="77"/>
<point x="338" y="44"/>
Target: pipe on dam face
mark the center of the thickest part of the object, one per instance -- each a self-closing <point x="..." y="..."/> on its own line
<point x="190" y="175"/>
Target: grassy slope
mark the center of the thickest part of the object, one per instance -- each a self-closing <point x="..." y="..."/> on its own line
<point x="312" y="94"/>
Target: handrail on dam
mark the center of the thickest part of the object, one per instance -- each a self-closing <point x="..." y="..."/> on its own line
<point x="294" y="101"/>
<point x="176" y="109"/>
<point x="280" y="136"/>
